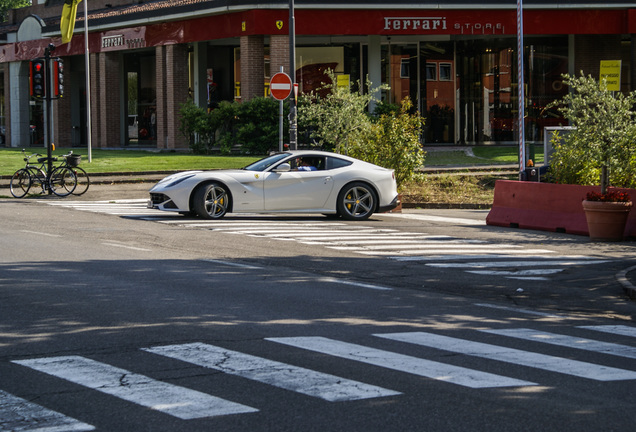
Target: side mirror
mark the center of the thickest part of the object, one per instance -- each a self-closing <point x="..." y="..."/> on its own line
<point x="284" y="167"/>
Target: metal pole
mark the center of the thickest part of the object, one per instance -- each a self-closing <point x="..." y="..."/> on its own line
<point x="520" y="91"/>
<point x="88" y="84"/>
<point x="293" y="121"/>
<point x="47" y="115"/>
<point x="280" y="122"/>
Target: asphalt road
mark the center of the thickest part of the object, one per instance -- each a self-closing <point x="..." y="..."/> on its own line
<point x="121" y="320"/>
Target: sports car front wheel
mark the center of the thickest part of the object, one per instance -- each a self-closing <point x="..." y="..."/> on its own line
<point x="211" y="201"/>
<point x="356" y="201"/>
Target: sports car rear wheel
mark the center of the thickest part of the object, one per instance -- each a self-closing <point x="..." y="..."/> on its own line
<point x="356" y="201"/>
<point x="211" y="201"/>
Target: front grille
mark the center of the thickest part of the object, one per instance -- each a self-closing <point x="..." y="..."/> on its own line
<point x="157" y="198"/>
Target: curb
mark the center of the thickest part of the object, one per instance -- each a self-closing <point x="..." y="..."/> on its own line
<point x="628" y="287"/>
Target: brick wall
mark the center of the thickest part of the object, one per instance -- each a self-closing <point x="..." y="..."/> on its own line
<point x="279" y="53"/>
<point x="176" y="72"/>
<point x="109" y="101"/>
<point x="161" y="84"/>
<point x="63" y="129"/>
<point x="7" y="105"/>
<point x="96" y="121"/>
<point x="252" y="67"/>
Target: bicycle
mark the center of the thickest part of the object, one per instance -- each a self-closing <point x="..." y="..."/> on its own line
<point x="72" y="161"/>
<point x="62" y="181"/>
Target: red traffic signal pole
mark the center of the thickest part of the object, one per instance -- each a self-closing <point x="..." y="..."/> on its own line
<point x="47" y="117"/>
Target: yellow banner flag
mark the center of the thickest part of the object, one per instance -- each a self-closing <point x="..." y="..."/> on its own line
<point x="67" y="23"/>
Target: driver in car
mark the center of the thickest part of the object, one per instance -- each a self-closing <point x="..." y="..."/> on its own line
<point x="304" y="165"/>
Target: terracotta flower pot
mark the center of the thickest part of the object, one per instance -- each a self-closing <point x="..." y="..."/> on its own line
<point x="606" y="220"/>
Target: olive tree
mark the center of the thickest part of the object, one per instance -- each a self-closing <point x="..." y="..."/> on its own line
<point x="603" y="145"/>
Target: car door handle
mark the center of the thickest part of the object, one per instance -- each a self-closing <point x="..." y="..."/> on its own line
<point x="328" y="179"/>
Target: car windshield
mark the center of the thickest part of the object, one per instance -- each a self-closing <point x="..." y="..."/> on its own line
<point x="263" y="164"/>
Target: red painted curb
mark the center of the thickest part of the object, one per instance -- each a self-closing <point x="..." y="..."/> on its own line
<point x="546" y="207"/>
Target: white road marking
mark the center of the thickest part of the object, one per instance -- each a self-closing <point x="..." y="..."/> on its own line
<point x="403" y="363"/>
<point x="430" y="218"/>
<point x="567" y="341"/>
<point x="353" y="283"/>
<point x="514" y="356"/>
<point x="439" y="246"/>
<point x="231" y="264"/>
<point x="301" y="380"/>
<point x="533" y="272"/>
<point x="555" y="262"/>
<point x="621" y="330"/>
<point x="123" y="246"/>
<point x="170" y="399"/>
<point x="20" y="415"/>
<point x="518" y="310"/>
<point x="495" y="250"/>
<point x="41" y="233"/>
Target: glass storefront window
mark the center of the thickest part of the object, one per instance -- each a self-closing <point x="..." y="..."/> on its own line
<point x="487" y="86"/>
<point x="141" y="100"/>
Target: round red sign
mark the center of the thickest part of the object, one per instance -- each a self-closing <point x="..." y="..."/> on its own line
<point x="280" y="86"/>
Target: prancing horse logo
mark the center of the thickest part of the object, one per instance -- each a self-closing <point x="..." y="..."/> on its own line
<point x="279" y="24"/>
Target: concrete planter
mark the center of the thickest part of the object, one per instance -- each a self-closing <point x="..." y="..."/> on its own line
<point x="546" y="207"/>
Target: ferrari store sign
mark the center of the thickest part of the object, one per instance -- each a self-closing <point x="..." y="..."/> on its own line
<point x="611" y="71"/>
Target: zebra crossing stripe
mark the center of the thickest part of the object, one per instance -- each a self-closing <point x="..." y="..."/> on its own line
<point x="621" y="330"/>
<point x="567" y="341"/>
<point x="403" y="363"/>
<point x="301" y="380"/>
<point x="545" y="262"/>
<point x="170" y="399"/>
<point x="515" y="356"/>
<point x="439" y="251"/>
<point x="20" y="415"/>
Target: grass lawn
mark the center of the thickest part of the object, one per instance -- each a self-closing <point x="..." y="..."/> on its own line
<point x="117" y="161"/>
<point x="426" y="188"/>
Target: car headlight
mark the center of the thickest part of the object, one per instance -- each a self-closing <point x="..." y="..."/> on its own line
<point x="179" y="180"/>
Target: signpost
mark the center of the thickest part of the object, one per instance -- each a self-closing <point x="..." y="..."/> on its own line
<point x="280" y="86"/>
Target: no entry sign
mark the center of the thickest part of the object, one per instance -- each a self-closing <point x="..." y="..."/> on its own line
<point x="280" y="86"/>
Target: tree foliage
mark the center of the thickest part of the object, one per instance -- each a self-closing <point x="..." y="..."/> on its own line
<point x="335" y="116"/>
<point x="5" y="5"/>
<point x="603" y="145"/>
<point x="339" y="121"/>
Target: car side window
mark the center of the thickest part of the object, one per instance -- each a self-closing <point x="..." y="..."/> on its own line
<point x="335" y="163"/>
<point x="308" y="163"/>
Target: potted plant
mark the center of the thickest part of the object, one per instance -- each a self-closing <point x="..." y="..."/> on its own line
<point x="606" y="214"/>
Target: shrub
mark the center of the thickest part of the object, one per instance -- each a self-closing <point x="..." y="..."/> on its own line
<point x="248" y="127"/>
<point x="394" y="142"/>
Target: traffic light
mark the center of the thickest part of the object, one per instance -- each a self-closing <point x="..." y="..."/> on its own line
<point x="58" y="77"/>
<point x="38" y="78"/>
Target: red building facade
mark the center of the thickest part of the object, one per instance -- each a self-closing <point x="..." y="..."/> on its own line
<point x="456" y="61"/>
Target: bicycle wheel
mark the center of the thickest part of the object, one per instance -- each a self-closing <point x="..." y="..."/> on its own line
<point x="20" y="183"/>
<point x="62" y="181"/>
<point x="83" y="182"/>
<point x="38" y="177"/>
